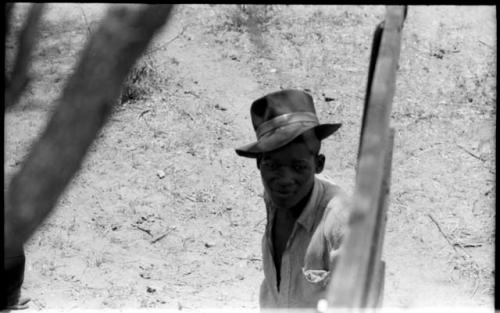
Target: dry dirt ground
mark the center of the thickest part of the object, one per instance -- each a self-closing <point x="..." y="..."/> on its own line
<point x="98" y="249"/>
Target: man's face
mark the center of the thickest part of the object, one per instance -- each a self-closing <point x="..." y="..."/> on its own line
<point x="288" y="173"/>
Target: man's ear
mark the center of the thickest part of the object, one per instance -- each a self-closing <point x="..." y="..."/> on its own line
<point x="320" y="163"/>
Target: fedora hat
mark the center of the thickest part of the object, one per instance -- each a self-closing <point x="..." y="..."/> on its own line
<point x="280" y="117"/>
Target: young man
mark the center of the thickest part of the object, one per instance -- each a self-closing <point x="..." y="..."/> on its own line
<point x="306" y="215"/>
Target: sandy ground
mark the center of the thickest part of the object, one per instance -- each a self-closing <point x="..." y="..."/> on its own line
<point x="96" y="251"/>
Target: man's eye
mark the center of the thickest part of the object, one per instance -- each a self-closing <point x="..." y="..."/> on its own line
<point x="300" y="167"/>
<point x="270" y="165"/>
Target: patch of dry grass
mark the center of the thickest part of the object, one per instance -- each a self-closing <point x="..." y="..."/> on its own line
<point x="143" y="81"/>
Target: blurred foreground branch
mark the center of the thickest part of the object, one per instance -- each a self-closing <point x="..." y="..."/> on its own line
<point x="15" y="85"/>
<point x="82" y="110"/>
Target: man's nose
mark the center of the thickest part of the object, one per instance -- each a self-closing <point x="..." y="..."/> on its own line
<point x="285" y="177"/>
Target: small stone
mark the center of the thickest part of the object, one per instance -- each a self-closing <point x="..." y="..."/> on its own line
<point x="151" y="290"/>
<point x="209" y="244"/>
<point x="160" y="174"/>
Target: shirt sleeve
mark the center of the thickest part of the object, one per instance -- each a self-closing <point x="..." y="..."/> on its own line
<point x="335" y="226"/>
<point x="326" y="243"/>
<point x="335" y="221"/>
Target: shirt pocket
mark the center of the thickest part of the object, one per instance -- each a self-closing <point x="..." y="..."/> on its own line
<point x="317" y="277"/>
<point x="310" y="293"/>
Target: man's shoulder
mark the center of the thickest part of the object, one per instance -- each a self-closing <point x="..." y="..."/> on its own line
<point x="331" y="189"/>
<point x="338" y="202"/>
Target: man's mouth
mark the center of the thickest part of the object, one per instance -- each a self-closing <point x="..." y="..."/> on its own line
<point x="283" y="192"/>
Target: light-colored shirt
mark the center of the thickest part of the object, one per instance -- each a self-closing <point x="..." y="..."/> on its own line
<point x="305" y="269"/>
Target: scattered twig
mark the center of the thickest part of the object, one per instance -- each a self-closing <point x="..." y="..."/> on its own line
<point x="155" y="131"/>
<point x="442" y="233"/>
<point x="334" y="108"/>
<point x="147" y="231"/>
<point x="191" y="93"/>
<point x="251" y="259"/>
<point x="453" y="245"/>
<point x="472" y="154"/>
<point x="471" y="245"/>
<point x="85" y="20"/>
<point x="144" y="112"/>
<point x="259" y="222"/>
<point x="188" y="115"/>
<point x="475" y="287"/>
<point x="99" y="202"/>
<point x="177" y="36"/>
<point x="487" y="45"/>
<point x="160" y="237"/>
<point x="168" y="42"/>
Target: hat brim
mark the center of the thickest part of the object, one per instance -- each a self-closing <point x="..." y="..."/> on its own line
<point x="282" y="136"/>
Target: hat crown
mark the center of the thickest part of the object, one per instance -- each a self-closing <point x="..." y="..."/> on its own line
<point x="280" y="103"/>
<point x="280" y="117"/>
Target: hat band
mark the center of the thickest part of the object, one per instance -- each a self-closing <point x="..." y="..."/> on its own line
<point x="284" y="120"/>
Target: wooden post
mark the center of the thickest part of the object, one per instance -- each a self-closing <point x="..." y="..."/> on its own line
<point x="376" y="290"/>
<point x="355" y="277"/>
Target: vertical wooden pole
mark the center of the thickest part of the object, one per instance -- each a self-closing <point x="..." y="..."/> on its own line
<point x="353" y="278"/>
<point x="376" y="289"/>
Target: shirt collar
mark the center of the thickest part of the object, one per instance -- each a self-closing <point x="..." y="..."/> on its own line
<point x="308" y="216"/>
